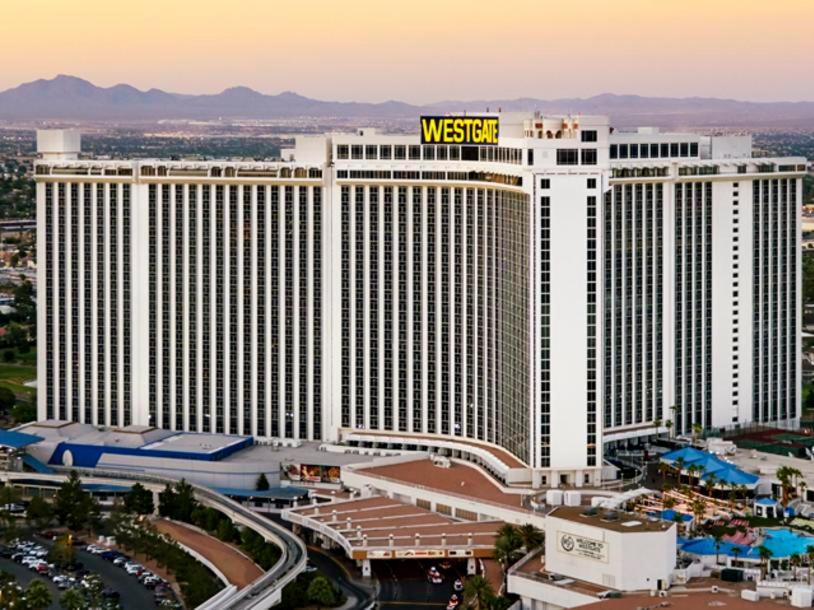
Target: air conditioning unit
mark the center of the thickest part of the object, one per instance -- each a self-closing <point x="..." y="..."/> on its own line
<point x="662" y="593"/>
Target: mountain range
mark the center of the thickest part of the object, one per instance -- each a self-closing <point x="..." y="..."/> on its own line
<point x="71" y="98"/>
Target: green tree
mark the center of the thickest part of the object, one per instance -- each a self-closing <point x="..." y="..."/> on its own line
<point x="167" y="501"/>
<point x="321" y="593"/>
<point x="478" y="593"/>
<point x="7" y="399"/>
<point x="531" y="536"/>
<point x="765" y="555"/>
<point x="24" y="412"/>
<point x="262" y="483"/>
<point x="93" y="589"/>
<point x="139" y="500"/>
<point x="73" y="506"/>
<point x="788" y="476"/>
<point x="8" y="522"/>
<point x="72" y="599"/>
<point x="37" y="595"/>
<point x="63" y="553"/>
<point x="39" y="513"/>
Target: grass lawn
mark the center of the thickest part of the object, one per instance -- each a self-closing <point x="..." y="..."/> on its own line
<point x="14" y="374"/>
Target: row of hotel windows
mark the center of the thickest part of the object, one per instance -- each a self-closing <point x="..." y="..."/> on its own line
<point x="83" y="221"/>
<point x="428" y="152"/>
<point x="382" y="174"/>
<point x="662" y="150"/>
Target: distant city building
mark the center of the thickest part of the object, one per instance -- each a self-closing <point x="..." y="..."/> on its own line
<point x="566" y="288"/>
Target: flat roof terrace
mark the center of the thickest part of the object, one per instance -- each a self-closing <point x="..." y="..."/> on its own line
<point x="406" y="438"/>
<point x="457" y="479"/>
<point x="383" y="528"/>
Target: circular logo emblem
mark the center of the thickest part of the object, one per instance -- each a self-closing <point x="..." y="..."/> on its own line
<point x="567" y="543"/>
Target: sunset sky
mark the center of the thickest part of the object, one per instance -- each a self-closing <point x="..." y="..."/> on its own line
<point x="420" y="50"/>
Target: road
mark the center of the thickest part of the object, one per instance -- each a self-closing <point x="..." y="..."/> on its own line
<point x="404" y="584"/>
<point x="336" y="571"/>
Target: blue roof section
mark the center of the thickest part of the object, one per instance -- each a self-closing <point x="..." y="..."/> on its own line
<point x="17" y="440"/>
<point x="104" y="487"/>
<point x="35" y="465"/>
<point x="88" y="456"/>
<point x="275" y="493"/>
<point x="766" y="501"/>
<point x="711" y="464"/>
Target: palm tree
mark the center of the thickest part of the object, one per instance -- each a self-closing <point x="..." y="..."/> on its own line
<point x="787" y="476"/>
<point x="37" y="595"/>
<point x="699" y="509"/>
<point x="795" y="560"/>
<point x="668" y="502"/>
<point x="669" y="425"/>
<point x="711" y="482"/>
<point x="72" y="599"/>
<point x="657" y="425"/>
<point x="531" y="536"/>
<point x="810" y="555"/>
<point x="718" y="536"/>
<point x="736" y="551"/>
<point x="765" y="555"/>
<point x="697" y="429"/>
<point x="679" y="467"/>
<point x="478" y="593"/>
<point x="695" y="473"/>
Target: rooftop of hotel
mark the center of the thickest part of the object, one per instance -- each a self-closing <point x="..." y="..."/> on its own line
<point x="501" y="454"/>
<point x="611" y="520"/>
<point x="457" y="480"/>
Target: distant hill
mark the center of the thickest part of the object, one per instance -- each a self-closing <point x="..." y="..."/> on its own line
<point x="72" y="98"/>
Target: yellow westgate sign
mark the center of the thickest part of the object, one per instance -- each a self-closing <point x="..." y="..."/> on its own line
<point x="466" y="130"/>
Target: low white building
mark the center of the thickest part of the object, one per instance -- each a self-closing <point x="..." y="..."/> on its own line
<point x="611" y="549"/>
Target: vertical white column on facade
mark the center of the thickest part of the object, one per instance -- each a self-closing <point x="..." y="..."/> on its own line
<point x="466" y="391"/>
<point x="425" y="229"/>
<point x="107" y="329"/>
<point x="94" y="311"/>
<point x="200" y="274"/>
<point x="42" y="237"/>
<point x="284" y="337"/>
<point x="449" y="407"/>
<point x="353" y="291"/>
<point x="66" y="313"/>
<point x="253" y="295"/>
<point x="485" y="331"/>
<point x="240" y="281"/>
<point x="79" y="209"/>
<point x="120" y="300"/>
<point x="409" y="264"/>
<point x="185" y="364"/>
<point x="295" y="315"/>
<point x="225" y="372"/>
<point x="366" y="300"/>
<point x="173" y="346"/>
<point x="55" y="409"/>
<point x="309" y="314"/>
<point x="394" y="213"/>
<point x="438" y="295"/>
<point x="213" y="321"/>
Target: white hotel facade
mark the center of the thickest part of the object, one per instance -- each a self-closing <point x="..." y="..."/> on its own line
<point x="567" y="288"/>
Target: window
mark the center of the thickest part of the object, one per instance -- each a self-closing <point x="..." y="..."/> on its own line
<point x="623" y="151"/>
<point x="371" y="151"/>
<point x="614" y="151"/>
<point x="591" y="183"/>
<point x="665" y="150"/>
<point x="567" y="156"/>
<point x="530" y="156"/>
<point x="342" y="151"/>
<point x="589" y="135"/>
<point x="634" y="151"/>
<point x="545" y="183"/>
<point x="356" y="151"/>
<point x="694" y="150"/>
<point x="588" y="156"/>
<point x="654" y="151"/>
<point x="386" y="152"/>
<point x="674" y="149"/>
<point x="685" y="149"/>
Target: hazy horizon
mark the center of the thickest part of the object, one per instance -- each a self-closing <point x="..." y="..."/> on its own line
<point x="421" y="52"/>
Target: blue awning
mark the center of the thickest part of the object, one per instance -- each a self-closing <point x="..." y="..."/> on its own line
<point x="17" y="440"/>
<point x="275" y="493"/>
<point x="710" y="464"/>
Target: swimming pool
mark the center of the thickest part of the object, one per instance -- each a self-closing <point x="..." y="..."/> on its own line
<point x="781" y="541"/>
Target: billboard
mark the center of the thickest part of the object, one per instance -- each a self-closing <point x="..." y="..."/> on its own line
<point x="312" y="473"/>
<point x="463" y="130"/>
<point x="580" y="546"/>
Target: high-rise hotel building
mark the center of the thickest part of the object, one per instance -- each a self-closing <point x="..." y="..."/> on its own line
<point x="568" y="287"/>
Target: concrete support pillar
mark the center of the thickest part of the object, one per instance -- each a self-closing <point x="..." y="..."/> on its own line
<point x="391" y="540"/>
<point x="366" y="571"/>
<point x="326" y="543"/>
<point x="471" y="566"/>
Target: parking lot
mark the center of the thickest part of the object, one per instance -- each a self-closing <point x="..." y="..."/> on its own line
<point x="27" y="559"/>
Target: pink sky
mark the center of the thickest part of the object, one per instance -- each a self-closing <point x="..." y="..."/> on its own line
<point x="420" y="50"/>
